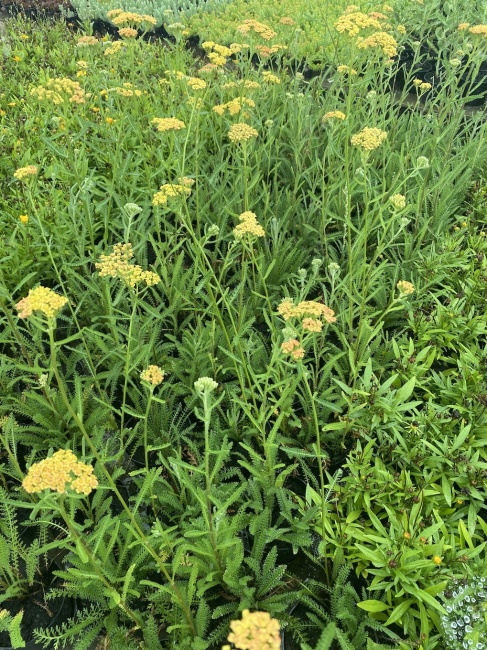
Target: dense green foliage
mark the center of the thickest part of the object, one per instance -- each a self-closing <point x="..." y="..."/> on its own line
<point x="268" y="339"/>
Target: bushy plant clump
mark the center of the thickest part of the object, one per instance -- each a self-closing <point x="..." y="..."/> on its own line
<point x="243" y="335"/>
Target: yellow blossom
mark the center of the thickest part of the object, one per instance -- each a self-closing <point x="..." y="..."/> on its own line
<point x="168" y="124"/>
<point x="196" y="84"/>
<point x="353" y="22"/>
<point x="337" y="115"/>
<point x="401" y="29"/>
<point x="259" y="28"/>
<point x="128" y="32"/>
<point x="248" y="226"/>
<point x="24" y="172"/>
<point x="286" y="20"/>
<point x="294" y="348"/>
<point x="383" y="40"/>
<point x="270" y="78"/>
<point x="117" y="265"/>
<point x="241" y="132"/>
<point x="24" y="218"/>
<point x="60" y="472"/>
<point x="309" y="308"/>
<point x="153" y="375"/>
<point x="217" y="59"/>
<point x="128" y="17"/>
<point x="405" y="288"/>
<point x="40" y="299"/>
<point x="171" y="190"/>
<point x="398" y="201"/>
<point x="87" y="40"/>
<point x="437" y="560"/>
<point x="312" y="325"/>
<point x="346" y="69"/>
<point x="369" y="138"/>
<point x="256" y="631"/>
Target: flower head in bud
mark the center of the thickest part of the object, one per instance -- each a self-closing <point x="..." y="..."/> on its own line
<point x="132" y="209"/>
<point x="422" y="163"/>
<point x="205" y="385"/>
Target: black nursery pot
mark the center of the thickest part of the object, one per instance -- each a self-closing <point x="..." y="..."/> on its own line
<point x="35" y="616"/>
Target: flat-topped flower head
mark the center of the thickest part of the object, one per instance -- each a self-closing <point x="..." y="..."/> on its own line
<point x="59" y="473"/>
<point x="86" y="41"/>
<point x="41" y="299"/>
<point x="256" y="631"/>
<point x="173" y="190"/>
<point x="24" y="172"/>
<point x="369" y="138"/>
<point x="248" y="226"/>
<point x="153" y="375"/>
<point x="333" y="115"/>
<point x="117" y="265"/>
<point x="241" y="132"/>
<point x="128" y="32"/>
<point x="168" y="124"/>
<point x="306" y="308"/>
<point x="405" y="288"/>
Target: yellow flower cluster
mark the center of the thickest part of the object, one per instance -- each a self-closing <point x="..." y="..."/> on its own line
<point x="85" y="41"/>
<point x="153" y="375"/>
<point x="195" y="83"/>
<point x="217" y="59"/>
<point x="127" y="32"/>
<point x="333" y="115"/>
<point x="259" y="28"/>
<point x="24" y="172"/>
<point x="24" y="218"/>
<point x="171" y="190"/>
<point x="270" y="78"/>
<point x="369" y="138"/>
<point x="241" y="132"/>
<point x="120" y="17"/>
<point x="248" y="226"/>
<point x="383" y="40"/>
<point x="293" y="347"/>
<point x="59" y="89"/>
<point x="41" y="299"/>
<point x="168" y="124"/>
<point x="234" y="106"/>
<point x="312" y="324"/>
<point x="286" y="20"/>
<point x="247" y="85"/>
<point x="354" y="21"/>
<point x="405" y="288"/>
<point x="113" y="48"/>
<point x="307" y="308"/>
<point x="126" y="90"/>
<point x="117" y="265"/>
<point x="60" y="472"/>
<point x="346" y="69"/>
<point x="422" y="86"/>
<point x="398" y="201"/>
<point x="478" y="29"/>
<point x="256" y="631"/>
<point x="266" y="51"/>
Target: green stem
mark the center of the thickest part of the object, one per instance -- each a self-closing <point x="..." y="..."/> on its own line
<point x="135" y="526"/>
<point x="320" y="466"/>
<point x="81" y="542"/>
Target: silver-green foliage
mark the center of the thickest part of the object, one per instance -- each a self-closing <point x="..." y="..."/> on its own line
<point x="164" y="11"/>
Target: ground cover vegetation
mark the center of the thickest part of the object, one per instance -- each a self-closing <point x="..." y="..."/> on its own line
<point x="243" y="335"/>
